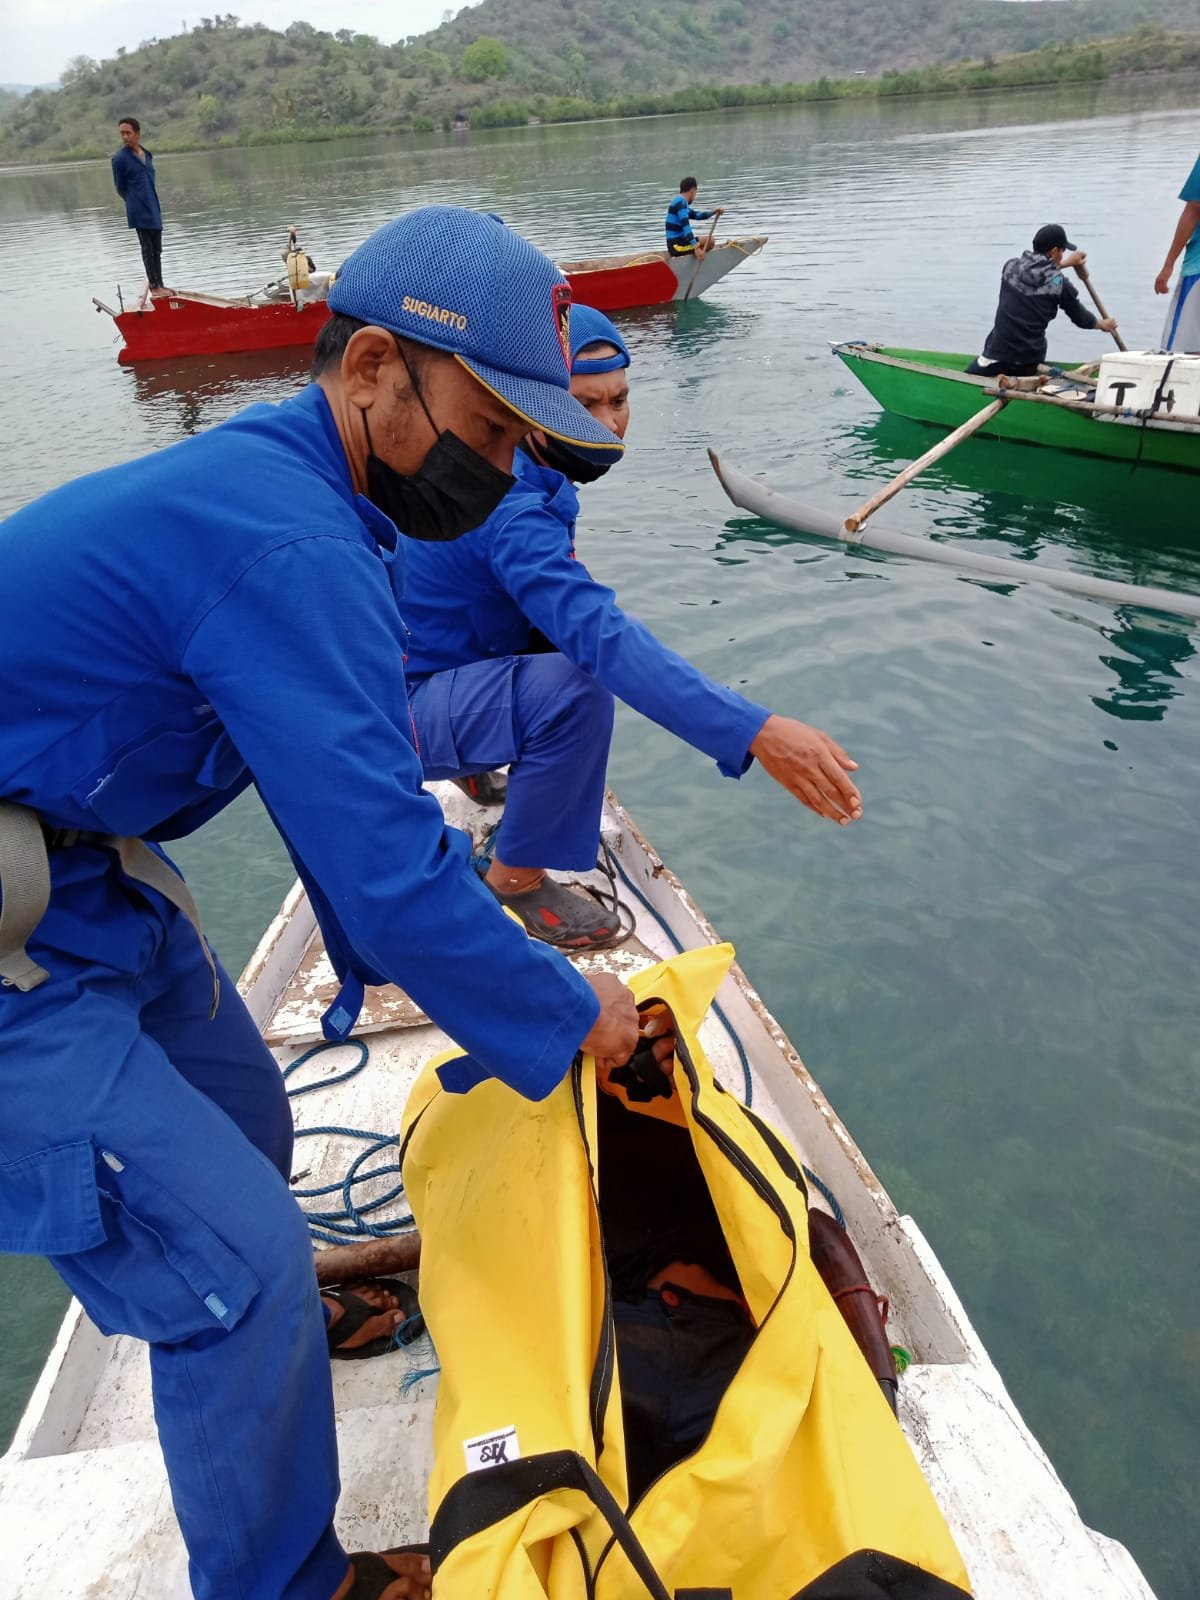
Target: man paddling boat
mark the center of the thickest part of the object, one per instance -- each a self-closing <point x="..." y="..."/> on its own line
<point x="1034" y="288"/>
<point x="518" y="653"/>
<point x="220" y="614"/>
<point x="681" y="213"/>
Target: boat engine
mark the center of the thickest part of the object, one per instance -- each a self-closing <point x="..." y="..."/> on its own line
<point x="298" y="262"/>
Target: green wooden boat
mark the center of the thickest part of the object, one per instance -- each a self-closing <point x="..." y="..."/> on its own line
<point x="932" y="386"/>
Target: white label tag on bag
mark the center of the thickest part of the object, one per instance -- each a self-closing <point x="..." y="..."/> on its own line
<point x="492" y="1449"/>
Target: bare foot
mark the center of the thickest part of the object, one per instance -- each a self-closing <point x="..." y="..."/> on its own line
<point x="414" y="1579"/>
<point x="380" y="1327"/>
<point x="513" y="880"/>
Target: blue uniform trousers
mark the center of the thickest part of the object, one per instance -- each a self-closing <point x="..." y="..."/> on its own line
<point x="145" y="1149"/>
<point x="550" y="722"/>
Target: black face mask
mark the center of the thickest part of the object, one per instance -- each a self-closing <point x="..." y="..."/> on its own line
<point x="454" y="489"/>
<point x="577" y="465"/>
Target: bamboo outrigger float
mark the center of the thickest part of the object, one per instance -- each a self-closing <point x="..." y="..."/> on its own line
<point x="751" y="494"/>
<point x="84" y="1504"/>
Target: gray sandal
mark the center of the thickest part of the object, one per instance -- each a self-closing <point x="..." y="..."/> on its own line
<point x="566" y="918"/>
<point x="485" y="788"/>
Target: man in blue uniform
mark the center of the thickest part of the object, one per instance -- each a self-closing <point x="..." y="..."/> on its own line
<point x="133" y="176"/>
<point x="1034" y="288"/>
<point x="172" y="630"/>
<point x="517" y="653"/>
<point x="681" y="241"/>
<point x="1182" y="330"/>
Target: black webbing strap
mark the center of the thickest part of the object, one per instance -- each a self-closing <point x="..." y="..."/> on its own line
<point x="482" y="1499"/>
<point x="787" y="1161"/>
<point x="872" y="1575"/>
<point x="1159" y="396"/>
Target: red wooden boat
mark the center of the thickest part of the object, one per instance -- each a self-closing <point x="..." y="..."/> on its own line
<point x="619" y="283"/>
<point x="183" y="323"/>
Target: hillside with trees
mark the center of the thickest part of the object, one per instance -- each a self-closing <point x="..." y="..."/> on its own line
<point x="600" y="48"/>
<point x="512" y="61"/>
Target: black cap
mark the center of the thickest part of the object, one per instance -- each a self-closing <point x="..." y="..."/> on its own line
<point x="1052" y="237"/>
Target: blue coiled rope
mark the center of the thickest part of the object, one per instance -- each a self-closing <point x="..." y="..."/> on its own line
<point x="338" y="1227"/>
<point x="351" y="1221"/>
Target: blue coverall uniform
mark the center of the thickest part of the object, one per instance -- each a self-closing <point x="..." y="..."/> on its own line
<point x="135" y="183"/>
<point x="220" y="613"/>
<point x="480" y="699"/>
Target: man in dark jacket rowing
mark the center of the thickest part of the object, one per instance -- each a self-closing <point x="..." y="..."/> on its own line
<point x="1034" y="288"/>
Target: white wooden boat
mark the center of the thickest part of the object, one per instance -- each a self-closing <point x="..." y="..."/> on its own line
<point x="84" y="1507"/>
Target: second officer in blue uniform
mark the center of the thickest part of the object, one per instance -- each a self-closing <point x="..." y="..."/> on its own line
<point x="517" y="654"/>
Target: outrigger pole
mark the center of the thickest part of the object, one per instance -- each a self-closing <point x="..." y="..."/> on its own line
<point x="752" y="495"/>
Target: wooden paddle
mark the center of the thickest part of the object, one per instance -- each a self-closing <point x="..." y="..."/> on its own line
<point x="1082" y="272"/>
<point x="944" y="446"/>
<point x="700" y="258"/>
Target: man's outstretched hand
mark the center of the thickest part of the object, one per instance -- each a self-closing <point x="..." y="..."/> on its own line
<point x="810" y="765"/>
<point x="614" y="1034"/>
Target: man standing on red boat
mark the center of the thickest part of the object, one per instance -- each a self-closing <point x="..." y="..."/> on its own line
<point x="133" y="175"/>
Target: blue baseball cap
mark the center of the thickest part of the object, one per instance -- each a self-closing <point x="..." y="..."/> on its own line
<point x="589" y="327"/>
<point x="463" y="282"/>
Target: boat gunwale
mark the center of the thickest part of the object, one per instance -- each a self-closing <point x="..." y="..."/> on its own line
<point x="749" y="244"/>
<point x="1180" y="427"/>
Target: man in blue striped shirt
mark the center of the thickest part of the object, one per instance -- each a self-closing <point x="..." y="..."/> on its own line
<point x="681" y="241"/>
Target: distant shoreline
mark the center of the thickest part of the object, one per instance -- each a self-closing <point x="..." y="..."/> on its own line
<point x="840" y="91"/>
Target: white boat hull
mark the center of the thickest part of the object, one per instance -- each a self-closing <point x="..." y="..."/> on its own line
<point x="84" y="1506"/>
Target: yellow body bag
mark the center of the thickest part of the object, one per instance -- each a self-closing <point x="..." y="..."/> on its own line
<point x="804" y="1487"/>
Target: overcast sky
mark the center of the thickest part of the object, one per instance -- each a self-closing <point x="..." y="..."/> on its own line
<point x="38" y="37"/>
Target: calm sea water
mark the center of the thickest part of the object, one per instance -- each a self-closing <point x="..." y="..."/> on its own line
<point x="993" y="974"/>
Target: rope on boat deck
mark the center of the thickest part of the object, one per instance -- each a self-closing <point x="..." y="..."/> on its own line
<point x="339" y="1227"/>
<point x="349" y="1223"/>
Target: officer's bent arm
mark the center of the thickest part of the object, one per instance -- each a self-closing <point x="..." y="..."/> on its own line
<point x="584" y="620"/>
<point x="319" y="713"/>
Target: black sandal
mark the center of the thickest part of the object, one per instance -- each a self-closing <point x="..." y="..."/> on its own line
<point x="372" y="1575"/>
<point x="356" y="1311"/>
